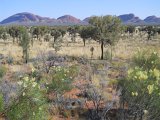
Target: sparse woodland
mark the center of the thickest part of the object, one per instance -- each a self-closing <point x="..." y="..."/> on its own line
<point x="103" y="71"/>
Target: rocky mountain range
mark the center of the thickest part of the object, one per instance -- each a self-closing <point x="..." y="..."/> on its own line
<point x="26" y="18"/>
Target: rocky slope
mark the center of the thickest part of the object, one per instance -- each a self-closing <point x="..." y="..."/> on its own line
<point x="26" y="18"/>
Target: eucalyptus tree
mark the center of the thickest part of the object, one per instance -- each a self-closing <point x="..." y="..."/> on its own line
<point x="36" y="31"/>
<point x="73" y="30"/>
<point x="86" y="32"/>
<point x="150" y="30"/>
<point x="3" y="33"/>
<point x="56" y="34"/>
<point x="62" y="31"/>
<point x="108" y="29"/>
<point x="47" y="38"/>
<point x="57" y="43"/>
<point x="4" y="37"/>
<point x="130" y="29"/>
<point x="13" y="32"/>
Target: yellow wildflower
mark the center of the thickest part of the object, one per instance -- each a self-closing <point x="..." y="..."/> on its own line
<point x="156" y="73"/>
<point x="150" y="88"/>
<point x="134" y="93"/>
<point x="26" y="79"/>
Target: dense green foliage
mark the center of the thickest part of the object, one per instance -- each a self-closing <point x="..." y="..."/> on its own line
<point x="141" y="88"/>
<point x="62" y="79"/>
<point x="87" y="32"/>
<point x="30" y="104"/>
<point x="3" y="71"/>
<point x="24" y="43"/>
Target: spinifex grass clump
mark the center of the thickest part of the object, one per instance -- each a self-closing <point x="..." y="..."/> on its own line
<point x="147" y="60"/>
<point x="62" y="78"/>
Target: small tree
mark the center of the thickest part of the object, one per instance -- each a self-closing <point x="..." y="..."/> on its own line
<point x="2" y="31"/>
<point x="47" y="38"/>
<point x="151" y="31"/>
<point x="12" y="32"/>
<point x="130" y="29"/>
<point x="15" y="32"/>
<point x="36" y="31"/>
<point x="86" y="33"/>
<point x="56" y="34"/>
<point x="4" y="36"/>
<point x="57" y="44"/>
<point x="25" y="43"/>
<point x="62" y="31"/>
<point x="92" y="50"/>
<point x="108" y="28"/>
<point x="73" y="31"/>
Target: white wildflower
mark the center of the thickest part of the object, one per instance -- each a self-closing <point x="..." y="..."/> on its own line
<point x="33" y="79"/>
<point x="24" y="85"/>
<point x="33" y="69"/>
<point x="34" y="113"/>
<point x="23" y="93"/>
<point x="155" y="53"/>
<point x="20" y="83"/>
<point x="145" y="111"/>
<point x="26" y="79"/>
<point x="34" y="84"/>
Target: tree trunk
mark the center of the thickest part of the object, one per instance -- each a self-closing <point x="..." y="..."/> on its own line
<point x="111" y="52"/>
<point x="26" y="59"/>
<point x="102" y="45"/>
<point x="84" y="41"/>
<point x="32" y="40"/>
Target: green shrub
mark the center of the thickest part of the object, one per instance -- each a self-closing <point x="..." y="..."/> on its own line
<point x="30" y="103"/>
<point x="3" y="71"/>
<point x="147" y="60"/>
<point x="1" y="103"/>
<point x="141" y="87"/>
<point x="10" y="60"/>
<point x="107" y="55"/>
<point x="62" y="78"/>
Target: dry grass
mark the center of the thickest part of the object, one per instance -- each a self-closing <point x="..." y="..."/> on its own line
<point x="124" y="49"/>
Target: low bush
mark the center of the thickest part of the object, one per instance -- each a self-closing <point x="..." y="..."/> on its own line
<point x="1" y="103"/>
<point x="147" y="60"/>
<point x="141" y="87"/>
<point x="3" y="71"/>
<point x="107" y="55"/>
<point x="62" y="78"/>
<point x="10" y="60"/>
<point x="30" y="103"/>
